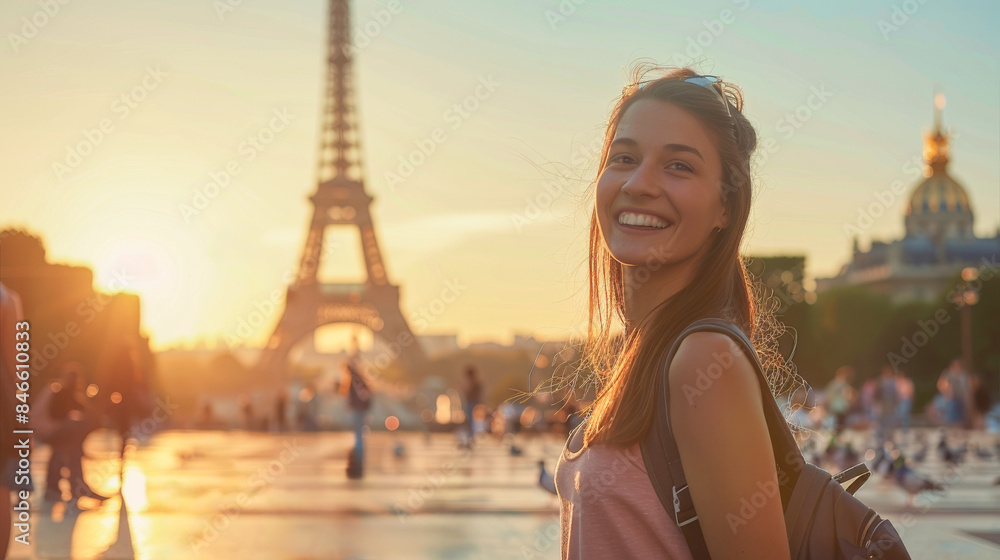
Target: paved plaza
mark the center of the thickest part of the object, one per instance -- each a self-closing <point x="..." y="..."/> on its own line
<point x="243" y="495"/>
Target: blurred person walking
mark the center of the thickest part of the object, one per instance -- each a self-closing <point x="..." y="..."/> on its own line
<point x="954" y="385"/>
<point x="248" y="419"/>
<point x="280" y="411"/>
<point x="888" y="400"/>
<point x="904" y="394"/>
<point x="359" y="399"/>
<point x="868" y="402"/>
<point x="71" y="419"/>
<point x="840" y="397"/>
<point x="472" y="396"/>
<point x="127" y="390"/>
<point x="981" y="400"/>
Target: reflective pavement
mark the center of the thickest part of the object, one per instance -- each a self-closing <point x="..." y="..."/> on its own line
<point x="244" y="495"/>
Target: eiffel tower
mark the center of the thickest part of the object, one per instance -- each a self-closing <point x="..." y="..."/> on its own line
<point x="340" y="199"/>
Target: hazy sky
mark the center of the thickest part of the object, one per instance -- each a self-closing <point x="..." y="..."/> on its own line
<point x="179" y="85"/>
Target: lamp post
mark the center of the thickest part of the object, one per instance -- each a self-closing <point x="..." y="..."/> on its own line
<point x="965" y="297"/>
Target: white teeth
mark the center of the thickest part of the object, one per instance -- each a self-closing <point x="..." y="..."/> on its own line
<point x="642" y="220"/>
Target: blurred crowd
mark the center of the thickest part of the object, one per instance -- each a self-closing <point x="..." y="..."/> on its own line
<point x="884" y="402"/>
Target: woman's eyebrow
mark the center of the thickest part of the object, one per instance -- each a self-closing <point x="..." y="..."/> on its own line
<point x="666" y="147"/>
<point x="683" y="148"/>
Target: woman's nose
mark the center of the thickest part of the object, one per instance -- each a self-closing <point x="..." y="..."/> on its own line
<point x="642" y="182"/>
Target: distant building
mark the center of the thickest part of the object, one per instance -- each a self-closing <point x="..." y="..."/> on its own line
<point x="939" y="240"/>
<point x="70" y="320"/>
<point x="433" y="344"/>
<point x="526" y="343"/>
<point x="438" y="344"/>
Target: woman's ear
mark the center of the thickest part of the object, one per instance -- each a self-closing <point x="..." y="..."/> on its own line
<point x="723" y="219"/>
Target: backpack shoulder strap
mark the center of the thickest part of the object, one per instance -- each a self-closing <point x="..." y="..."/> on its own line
<point x="661" y="456"/>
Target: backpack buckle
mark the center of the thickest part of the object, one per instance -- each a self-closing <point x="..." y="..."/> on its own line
<point x="677" y="508"/>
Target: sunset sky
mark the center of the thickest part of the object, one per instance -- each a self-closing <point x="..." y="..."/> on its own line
<point x="180" y="85"/>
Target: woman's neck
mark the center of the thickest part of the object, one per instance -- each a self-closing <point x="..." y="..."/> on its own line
<point x="643" y="292"/>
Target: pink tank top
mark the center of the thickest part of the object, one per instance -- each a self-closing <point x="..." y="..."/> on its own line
<point x="608" y="508"/>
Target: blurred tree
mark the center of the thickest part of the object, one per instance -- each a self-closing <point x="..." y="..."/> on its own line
<point x="839" y="330"/>
<point x="856" y="327"/>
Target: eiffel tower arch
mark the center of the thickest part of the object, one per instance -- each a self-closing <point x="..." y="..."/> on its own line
<point x="340" y="200"/>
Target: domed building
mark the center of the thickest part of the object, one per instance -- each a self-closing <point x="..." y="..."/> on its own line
<point x="939" y="239"/>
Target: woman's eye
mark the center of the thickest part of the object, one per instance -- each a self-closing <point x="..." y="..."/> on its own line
<point x="683" y="166"/>
<point x="621" y="158"/>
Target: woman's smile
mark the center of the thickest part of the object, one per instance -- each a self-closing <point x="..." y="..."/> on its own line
<point x="642" y="221"/>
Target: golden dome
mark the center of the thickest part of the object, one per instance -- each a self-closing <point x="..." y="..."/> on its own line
<point x="938" y="193"/>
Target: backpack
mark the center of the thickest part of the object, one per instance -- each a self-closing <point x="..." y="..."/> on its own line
<point x="823" y="519"/>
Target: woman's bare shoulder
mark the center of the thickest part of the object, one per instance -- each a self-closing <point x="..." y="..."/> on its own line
<point x="709" y="370"/>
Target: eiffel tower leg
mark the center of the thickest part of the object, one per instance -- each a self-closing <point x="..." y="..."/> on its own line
<point x="396" y="333"/>
<point x="297" y="320"/>
<point x="273" y="361"/>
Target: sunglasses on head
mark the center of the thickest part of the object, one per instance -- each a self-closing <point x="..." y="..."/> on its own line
<point x="705" y="82"/>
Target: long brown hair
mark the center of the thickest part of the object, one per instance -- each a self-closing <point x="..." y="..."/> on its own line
<point x="625" y="366"/>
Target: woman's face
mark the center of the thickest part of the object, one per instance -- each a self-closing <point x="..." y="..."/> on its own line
<point x="659" y="195"/>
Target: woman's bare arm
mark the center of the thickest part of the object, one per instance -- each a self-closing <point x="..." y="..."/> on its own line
<point x="717" y="418"/>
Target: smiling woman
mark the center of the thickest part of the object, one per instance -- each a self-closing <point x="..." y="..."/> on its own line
<point x="671" y="205"/>
<point x="657" y="192"/>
